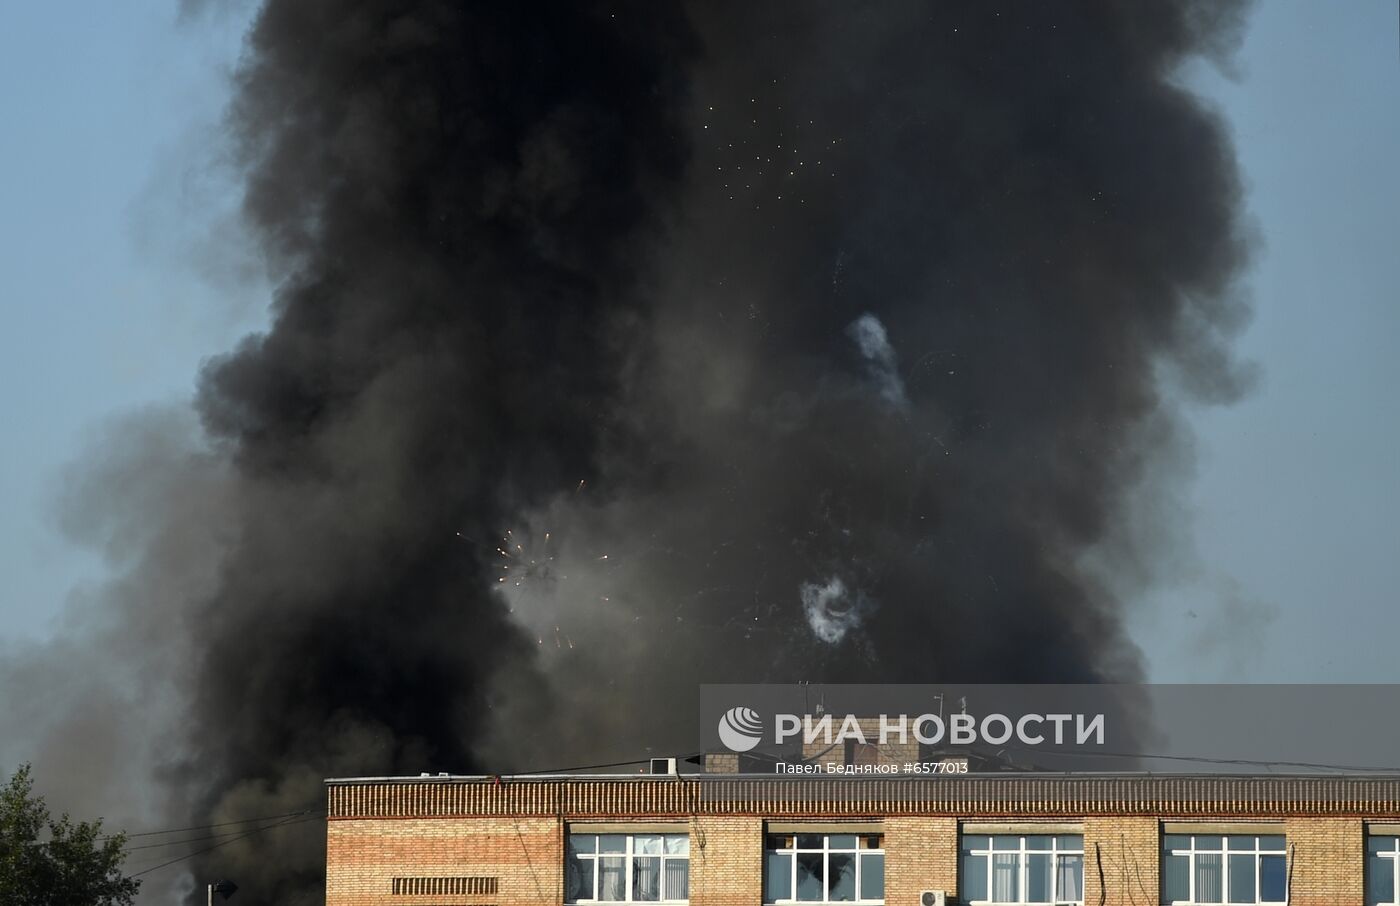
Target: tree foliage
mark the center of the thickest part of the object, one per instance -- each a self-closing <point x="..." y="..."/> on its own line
<point x="47" y="862"/>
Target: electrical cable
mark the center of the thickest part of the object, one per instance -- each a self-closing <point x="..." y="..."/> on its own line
<point x="199" y="852"/>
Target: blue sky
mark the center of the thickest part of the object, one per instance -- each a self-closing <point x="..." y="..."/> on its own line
<point x="1294" y="504"/>
<point x="117" y="283"/>
<point x="107" y="185"/>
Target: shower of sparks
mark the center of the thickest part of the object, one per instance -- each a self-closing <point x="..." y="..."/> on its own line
<point x="527" y="561"/>
<point x="520" y="565"/>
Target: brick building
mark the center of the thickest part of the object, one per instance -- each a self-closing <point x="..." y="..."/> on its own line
<point x="743" y="840"/>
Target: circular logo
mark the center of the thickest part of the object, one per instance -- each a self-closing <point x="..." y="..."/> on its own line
<point x="740" y="729"/>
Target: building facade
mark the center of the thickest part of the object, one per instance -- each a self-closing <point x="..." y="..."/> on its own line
<point x="743" y="840"/>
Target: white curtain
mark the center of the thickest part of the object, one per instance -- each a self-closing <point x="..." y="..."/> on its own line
<point x="646" y="878"/>
<point x="612" y="878"/>
<point x="1209" y="877"/>
<point x="1006" y="867"/>
<point x="677" y="879"/>
<point x="1069" y="882"/>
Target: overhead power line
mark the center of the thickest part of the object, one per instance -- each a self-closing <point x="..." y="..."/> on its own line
<point x="289" y="822"/>
<point x="218" y="836"/>
<point x="1203" y="759"/>
<point x="181" y="830"/>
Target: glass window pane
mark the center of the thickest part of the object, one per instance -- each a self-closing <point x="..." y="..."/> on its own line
<point x="1380" y="880"/>
<point x="777" y="877"/>
<point x="973" y="878"/>
<point x="677" y="879"/>
<point x="1038" y="877"/>
<point x="1376" y="845"/>
<point x="678" y="844"/>
<point x="578" y="879"/>
<point x="612" y="843"/>
<point x="810" y="841"/>
<point x="1176" y="841"/>
<point x="872" y="876"/>
<point x="1273" y="879"/>
<point x="1272" y="843"/>
<point x="779" y="841"/>
<point x="1006" y="877"/>
<point x="811" y="874"/>
<point x="1003" y="841"/>
<point x="1038" y="841"/>
<point x="1071" y="842"/>
<point x="612" y="878"/>
<point x="1215" y="843"/>
<point x="583" y="843"/>
<point x="1210" y="871"/>
<point x="646" y="878"/>
<point x="1176" y="874"/>
<point x="874" y="841"/>
<point x="841" y="841"/>
<point x="1238" y="842"/>
<point x="1069" y="879"/>
<point x="647" y="844"/>
<point x="841" y="869"/>
<point x="1242" y="879"/>
<point x="975" y="841"/>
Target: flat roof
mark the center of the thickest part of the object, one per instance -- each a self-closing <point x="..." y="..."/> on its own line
<point x="836" y="796"/>
<point x="971" y="775"/>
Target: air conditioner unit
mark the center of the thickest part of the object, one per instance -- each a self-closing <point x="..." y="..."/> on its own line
<point x="933" y="898"/>
<point x="665" y="766"/>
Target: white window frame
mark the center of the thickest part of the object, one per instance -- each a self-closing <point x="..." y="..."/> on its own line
<point x="628" y="855"/>
<point x="1023" y="865"/>
<point x="826" y="850"/>
<point x="1225" y="852"/>
<point x="1388" y="847"/>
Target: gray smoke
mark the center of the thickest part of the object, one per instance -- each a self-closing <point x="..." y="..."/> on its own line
<point x="881" y="362"/>
<point x="832" y="609"/>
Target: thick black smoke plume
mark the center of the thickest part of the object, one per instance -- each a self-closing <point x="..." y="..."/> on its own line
<point x="621" y="346"/>
<point x="458" y="196"/>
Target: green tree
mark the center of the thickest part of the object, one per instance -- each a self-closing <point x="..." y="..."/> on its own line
<point x="44" y="862"/>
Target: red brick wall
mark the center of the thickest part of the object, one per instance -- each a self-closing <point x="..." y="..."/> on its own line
<point x="726" y="861"/>
<point x="525" y="855"/>
<point x="1121" y="857"/>
<point x="920" y="854"/>
<point x="1326" y="859"/>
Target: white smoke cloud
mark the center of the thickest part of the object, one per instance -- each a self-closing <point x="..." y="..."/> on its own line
<point x="832" y="609"/>
<point x="874" y="343"/>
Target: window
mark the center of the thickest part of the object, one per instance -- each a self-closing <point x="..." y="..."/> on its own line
<point x="1224" y="868"/>
<point x="824" y="868"/>
<point x="861" y="753"/>
<point x="1031" y="868"/>
<point x="627" y="868"/>
<point x="1382" y="864"/>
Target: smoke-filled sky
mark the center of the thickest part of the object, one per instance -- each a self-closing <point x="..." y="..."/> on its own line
<point x="612" y="352"/>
